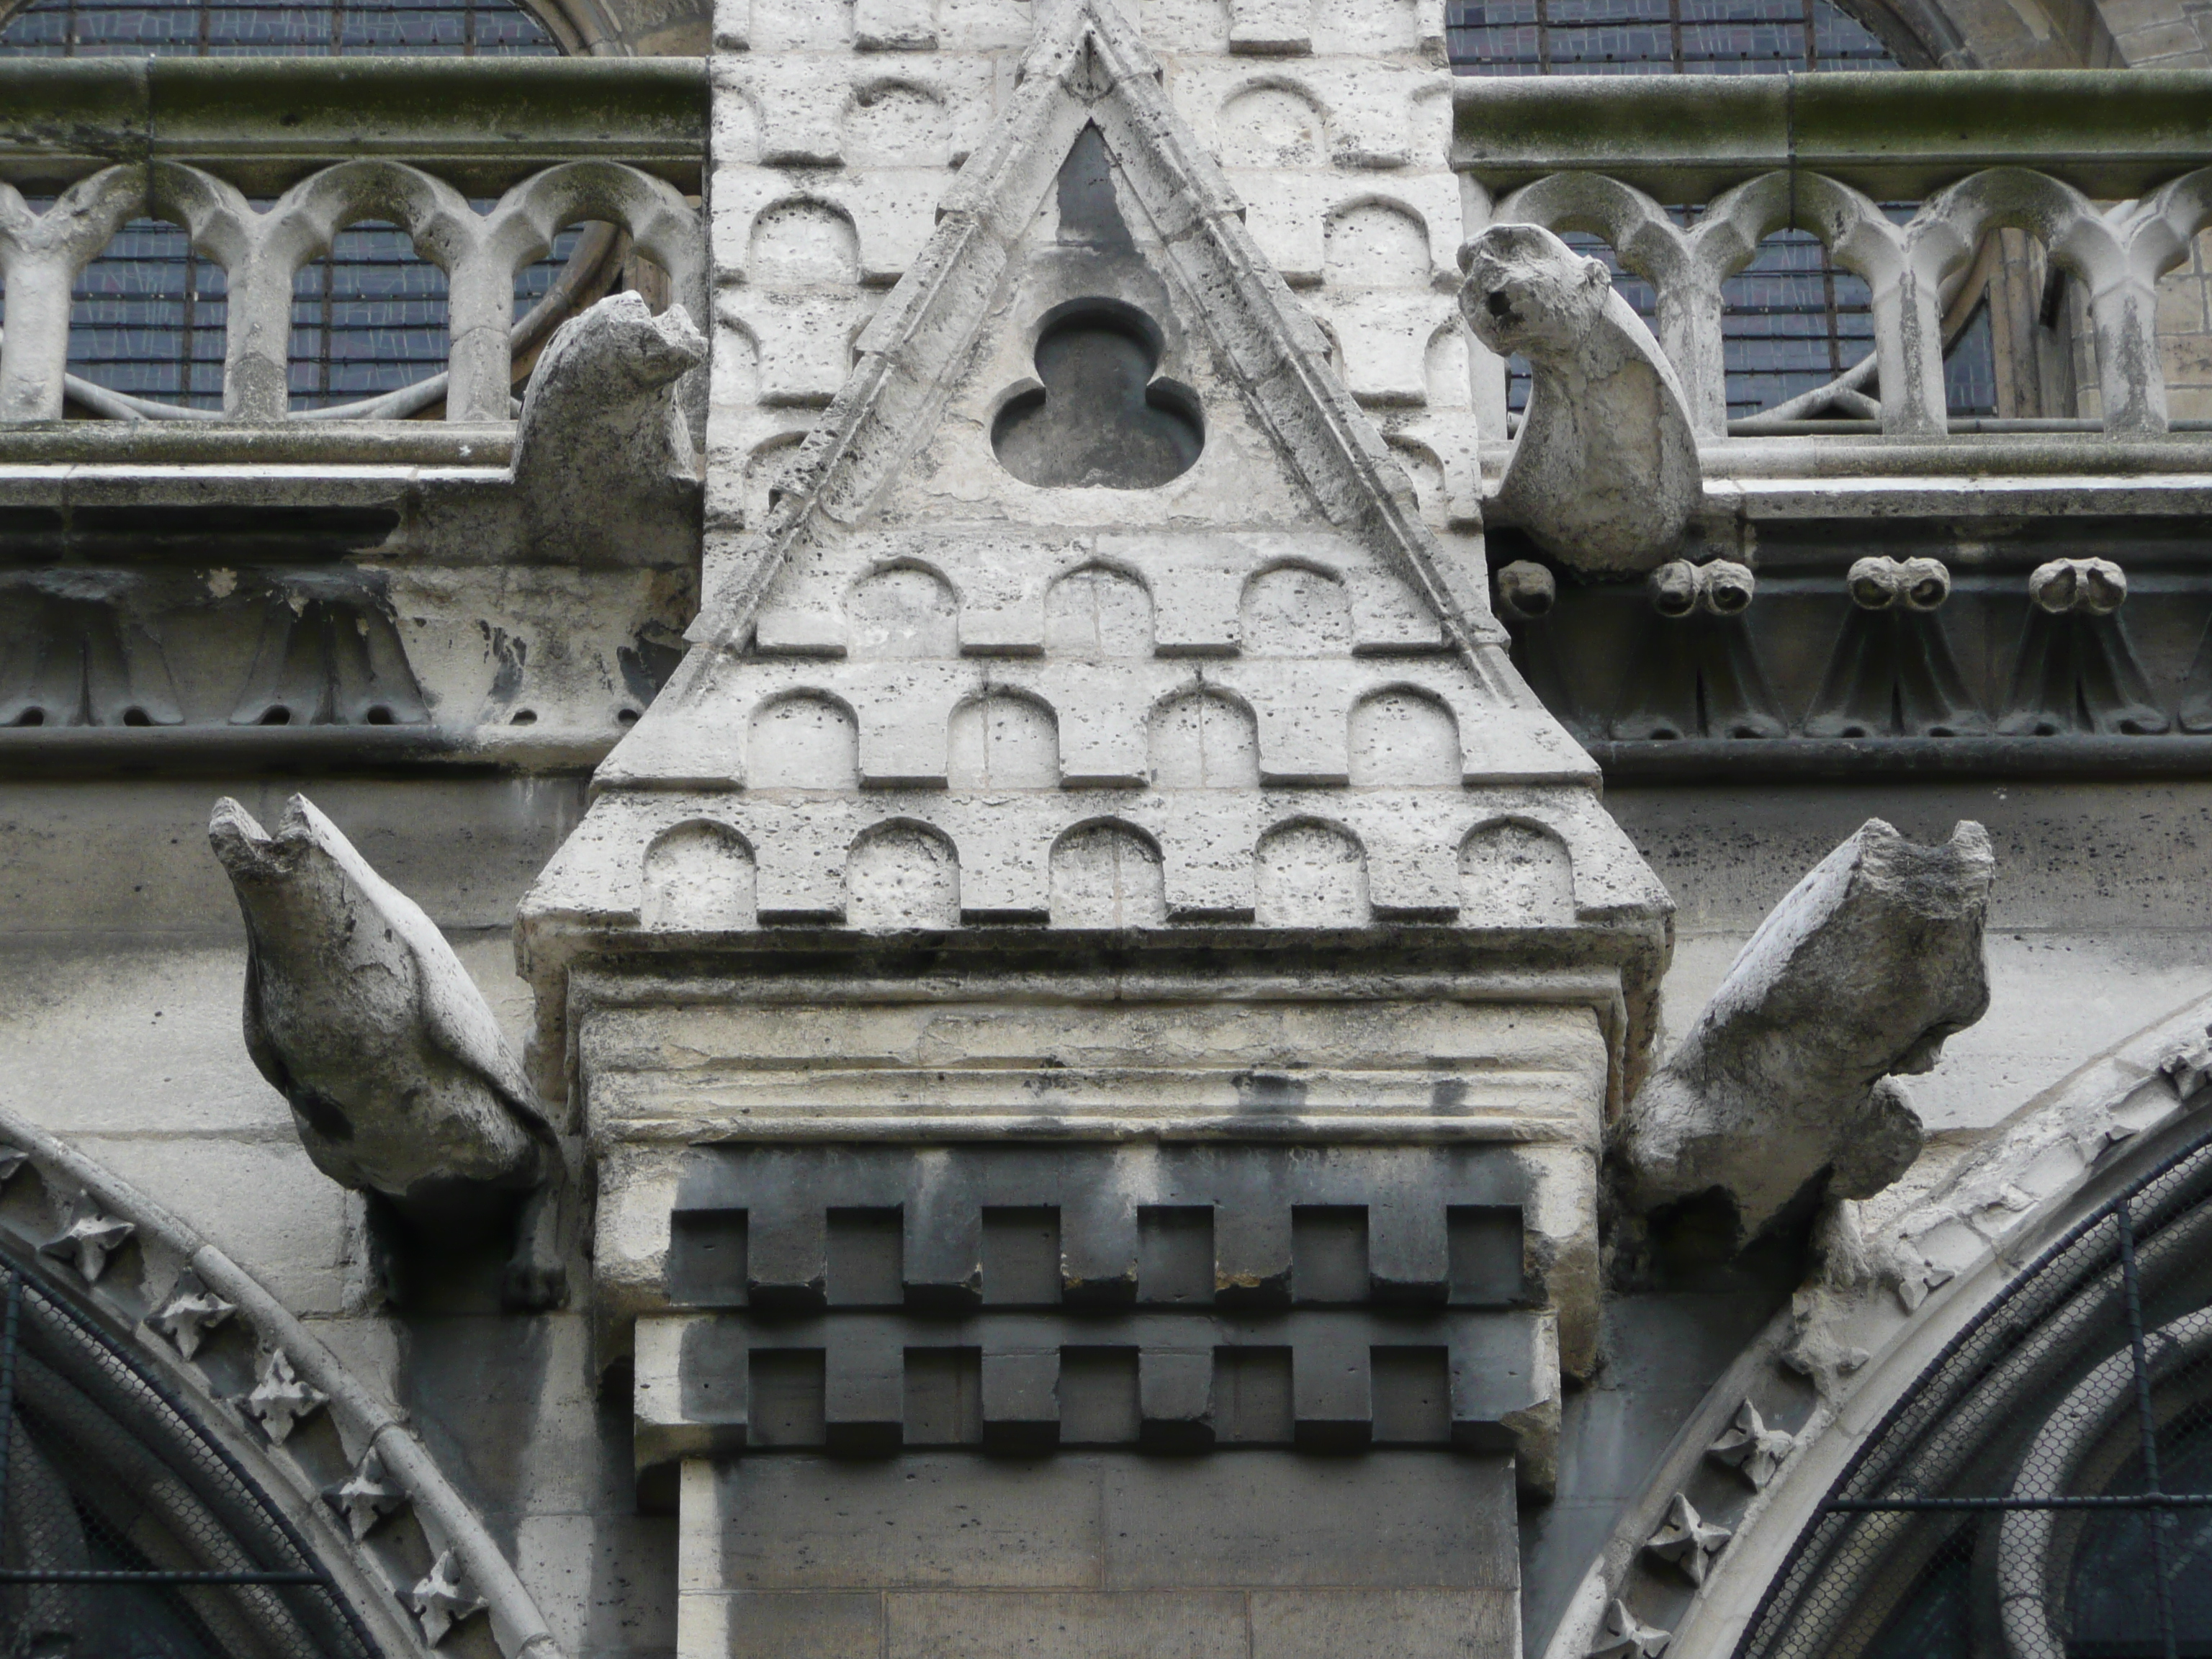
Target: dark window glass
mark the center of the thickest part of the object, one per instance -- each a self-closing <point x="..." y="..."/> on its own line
<point x="272" y="29"/>
<point x="1658" y="36"/>
<point x="1970" y="367"/>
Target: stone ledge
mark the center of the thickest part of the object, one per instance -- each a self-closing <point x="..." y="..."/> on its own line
<point x="279" y="117"/>
<point x="2112" y="133"/>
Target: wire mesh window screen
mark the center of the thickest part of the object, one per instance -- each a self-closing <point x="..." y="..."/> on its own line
<point x="125" y="1531"/>
<point x="2045" y="1488"/>
<point x="368" y="317"/>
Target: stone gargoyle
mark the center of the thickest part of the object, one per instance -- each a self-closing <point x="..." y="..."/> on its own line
<point x="1604" y="473"/>
<point x="400" y="1082"/>
<point x="603" y="467"/>
<point x="1859" y="974"/>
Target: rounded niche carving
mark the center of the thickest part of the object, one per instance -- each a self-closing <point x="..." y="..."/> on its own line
<point x="1108" y="875"/>
<point x="1097" y="418"/>
<point x="1516" y="875"/>
<point x="902" y="875"/>
<point x="699" y="877"/>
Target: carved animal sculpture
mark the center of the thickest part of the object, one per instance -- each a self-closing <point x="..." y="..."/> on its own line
<point x="1604" y="473"/>
<point x="603" y="441"/>
<point x="1861" y="972"/>
<point x="358" y="1010"/>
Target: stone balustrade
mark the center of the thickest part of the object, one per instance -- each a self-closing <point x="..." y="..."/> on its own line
<point x="2107" y="169"/>
<point x="403" y="141"/>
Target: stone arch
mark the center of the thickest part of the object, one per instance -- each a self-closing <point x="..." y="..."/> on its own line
<point x="734" y="373"/>
<point x="1431" y="118"/>
<point x="1307" y="873"/>
<point x="1294" y="610"/>
<point x="737" y="126"/>
<point x="904" y="610"/>
<point x="897" y="123"/>
<point x="1427" y="472"/>
<point x="798" y="243"/>
<point x="1375" y="244"/>
<point x="804" y="740"/>
<point x="699" y="877"/>
<point x="1204" y="739"/>
<point x="141" y="1339"/>
<point x="1273" y="123"/>
<point x="1446" y="369"/>
<point x="764" y="473"/>
<point x="1108" y="874"/>
<point x="1513" y="873"/>
<point x="903" y="874"/>
<point x="1003" y="740"/>
<point x="1403" y="737"/>
<point x="1098" y="612"/>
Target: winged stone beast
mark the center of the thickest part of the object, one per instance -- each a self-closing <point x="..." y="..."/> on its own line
<point x="400" y="1081"/>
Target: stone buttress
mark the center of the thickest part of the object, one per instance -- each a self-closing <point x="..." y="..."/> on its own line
<point x="1095" y="992"/>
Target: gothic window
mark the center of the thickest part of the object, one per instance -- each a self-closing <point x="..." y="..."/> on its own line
<point x="2045" y="1489"/>
<point x="126" y="1530"/>
<point x="1794" y="320"/>
<point x="368" y="317"/>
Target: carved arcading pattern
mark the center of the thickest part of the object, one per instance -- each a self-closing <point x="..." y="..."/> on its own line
<point x="2118" y="256"/>
<point x="370" y="1497"/>
<point x="40" y="255"/>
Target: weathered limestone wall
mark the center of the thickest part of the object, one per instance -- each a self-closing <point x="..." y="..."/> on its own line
<point x="122" y="963"/>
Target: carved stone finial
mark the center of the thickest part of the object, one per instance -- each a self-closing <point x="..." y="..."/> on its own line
<point x="1721" y="587"/>
<point x="1783" y="1081"/>
<point x="1879" y="583"/>
<point x="366" y="1496"/>
<point x="2077" y="669"/>
<point x="88" y="1238"/>
<point x="1688" y="1540"/>
<point x="1622" y="1636"/>
<point x="191" y="1312"/>
<point x="1893" y="673"/>
<point x="1526" y="590"/>
<point x="1604" y="472"/>
<point x="443" y="1598"/>
<point x="602" y="456"/>
<point x="399" y="1078"/>
<point x="1816" y="1350"/>
<point x="2188" y="1067"/>
<point x="281" y="1399"/>
<point x="1751" y="1449"/>
<point x="2095" y="587"/>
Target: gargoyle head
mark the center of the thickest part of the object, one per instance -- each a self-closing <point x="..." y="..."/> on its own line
<point x="1529" y="292"/>
<point x="629" y="343"/>
<point x="250" y="852"/>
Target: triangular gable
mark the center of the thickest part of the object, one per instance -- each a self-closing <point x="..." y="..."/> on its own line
<point x="1087" y="67"/>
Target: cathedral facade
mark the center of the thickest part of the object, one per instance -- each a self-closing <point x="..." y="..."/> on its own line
<point x="940" y="829"/>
